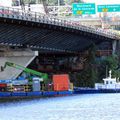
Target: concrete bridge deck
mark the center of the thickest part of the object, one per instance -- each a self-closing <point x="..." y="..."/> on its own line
<point x="41" y="18"/>
<point x="35" y="30"/>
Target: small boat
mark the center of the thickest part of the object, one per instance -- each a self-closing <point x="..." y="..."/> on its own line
<point x="109" y="85"/>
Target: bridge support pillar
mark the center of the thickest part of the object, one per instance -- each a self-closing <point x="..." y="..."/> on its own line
<point x="114" y="46"/>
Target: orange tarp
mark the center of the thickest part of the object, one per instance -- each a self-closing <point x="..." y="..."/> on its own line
<point x="61" y="82"/>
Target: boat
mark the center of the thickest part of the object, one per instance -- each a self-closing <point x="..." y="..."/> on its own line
<point x="109" y="85"/>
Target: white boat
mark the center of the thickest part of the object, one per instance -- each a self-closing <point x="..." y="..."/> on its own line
<point x="109" y="83"/>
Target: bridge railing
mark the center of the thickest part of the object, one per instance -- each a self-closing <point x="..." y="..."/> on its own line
<point x="16" y="13"/>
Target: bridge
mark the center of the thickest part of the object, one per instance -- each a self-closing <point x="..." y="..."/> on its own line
<point x="24" y="29"/>
<point x="37" y="31"/>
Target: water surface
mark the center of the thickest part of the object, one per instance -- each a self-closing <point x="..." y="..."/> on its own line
<point x="78" y="107"/>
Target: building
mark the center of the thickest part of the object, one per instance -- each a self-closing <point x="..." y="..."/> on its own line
<point x="7" y="3"/>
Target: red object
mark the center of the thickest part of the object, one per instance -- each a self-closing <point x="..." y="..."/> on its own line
<point x="61" y="82"/>
<point x="3" y="85"/>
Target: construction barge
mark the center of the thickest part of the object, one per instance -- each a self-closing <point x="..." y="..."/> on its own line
<point x="35" y="94"/>
<point x="34" y="84"/>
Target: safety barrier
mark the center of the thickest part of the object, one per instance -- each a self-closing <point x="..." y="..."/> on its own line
<point x="27" y="88"/>
<point x="10" y="88"/>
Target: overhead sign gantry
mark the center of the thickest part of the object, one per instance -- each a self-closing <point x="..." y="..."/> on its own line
<point x="83" y="8"/>
<point x="92" y="8"/>
<point x="108" y="8"/>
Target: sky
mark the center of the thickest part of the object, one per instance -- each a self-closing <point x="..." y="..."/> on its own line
<point x="5" y="2"/>
<point x="103" y="1"/>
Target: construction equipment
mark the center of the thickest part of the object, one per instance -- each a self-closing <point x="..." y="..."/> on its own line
<point x="44" y="76"/>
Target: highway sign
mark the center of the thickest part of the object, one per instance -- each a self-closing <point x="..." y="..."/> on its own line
<point x="83" y="8"/>
<point x="108" y="8"/>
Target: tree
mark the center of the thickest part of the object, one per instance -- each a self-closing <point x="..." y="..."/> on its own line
<point x="72" y="1"/>
<point x="88" y="76"/>
<point x="111" y="62"/>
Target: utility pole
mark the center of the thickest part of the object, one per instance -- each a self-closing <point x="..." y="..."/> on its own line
<point x="58" y="6"/>
<point x="22" y="5"/>
<point x="45" y="6"/>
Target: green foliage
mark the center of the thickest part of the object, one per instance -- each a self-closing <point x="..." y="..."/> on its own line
<point x="88" y="76"/>
<point x="51" y="2"/>
<point x="72" y="1"/>
<point x="117" y="74"/>
<point x="94" y="71"/>
<point x="111" y="62"/>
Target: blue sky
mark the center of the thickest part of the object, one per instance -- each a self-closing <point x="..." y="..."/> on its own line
<point x="103" y="1"/>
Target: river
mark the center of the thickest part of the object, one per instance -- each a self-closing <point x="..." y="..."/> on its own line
<point x="76" y="107"/>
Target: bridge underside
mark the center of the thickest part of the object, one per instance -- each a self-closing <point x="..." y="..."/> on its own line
<point x="41" y="36"/>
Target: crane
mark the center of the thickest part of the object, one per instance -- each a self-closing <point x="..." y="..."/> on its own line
<point x="24" y="69"/>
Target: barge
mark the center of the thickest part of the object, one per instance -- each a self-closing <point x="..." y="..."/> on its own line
<point x="34" y="94"/>
<point x="36" y="85"/>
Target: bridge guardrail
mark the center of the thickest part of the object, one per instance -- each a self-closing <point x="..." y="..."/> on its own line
<point x="16" y="13"/>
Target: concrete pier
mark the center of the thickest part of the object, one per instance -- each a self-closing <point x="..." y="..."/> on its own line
<point x="23" y="58"/>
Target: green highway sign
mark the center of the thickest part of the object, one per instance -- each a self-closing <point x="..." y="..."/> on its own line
<point x="108" y="8"/>
<point x="83" y="8"/>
